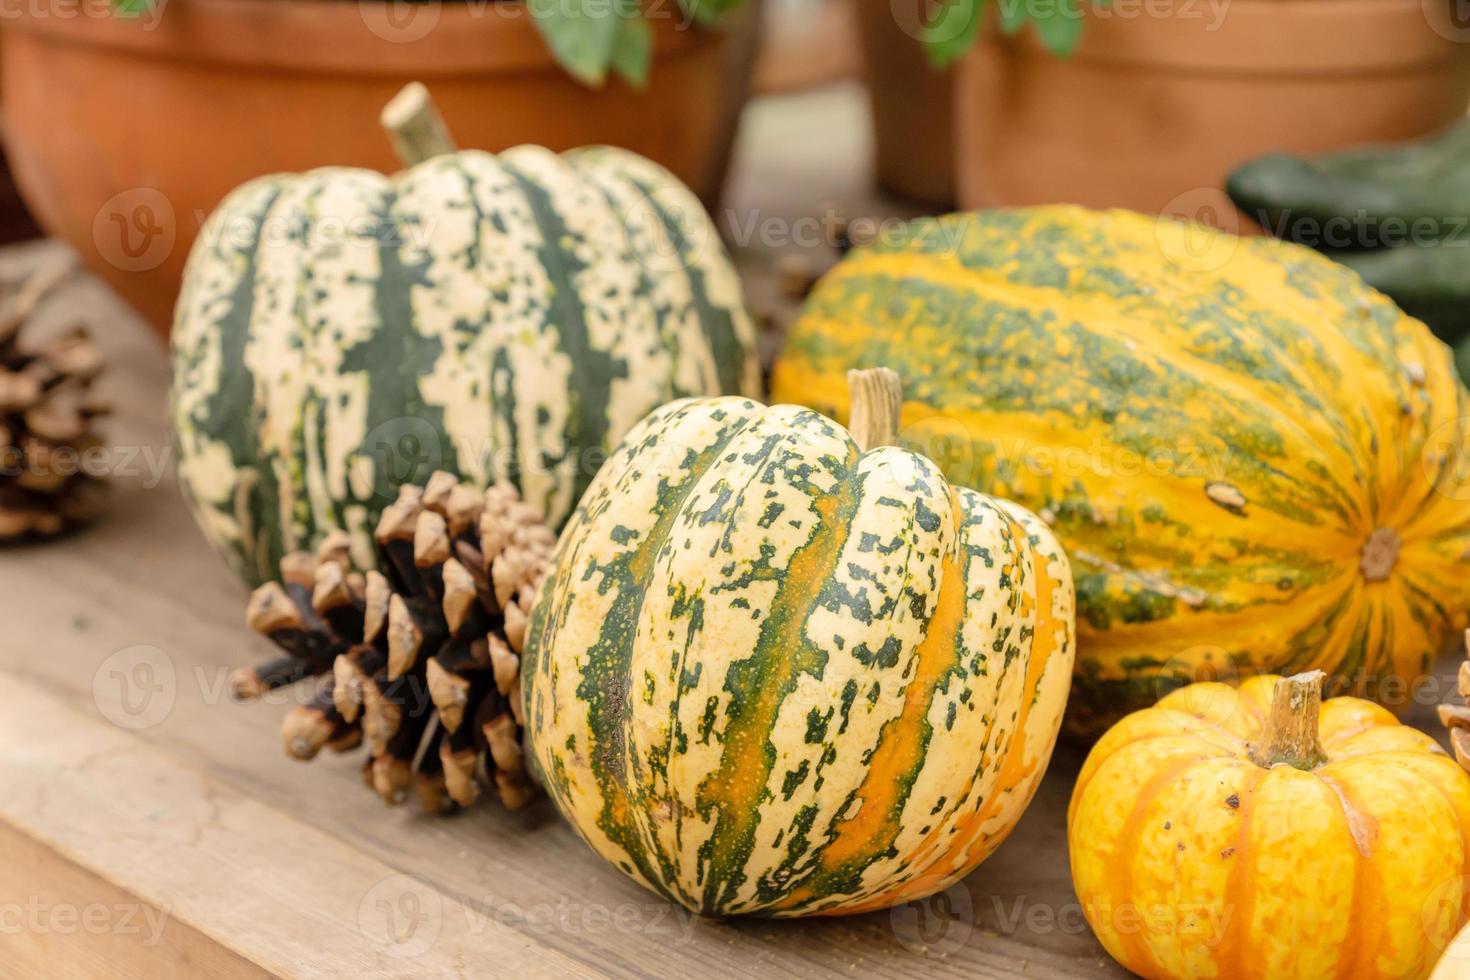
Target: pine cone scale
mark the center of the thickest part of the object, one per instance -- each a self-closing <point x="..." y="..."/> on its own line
<point x="418" y="659"/>
<point x="46" y="416"/>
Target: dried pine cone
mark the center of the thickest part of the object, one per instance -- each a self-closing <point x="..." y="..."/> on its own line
<point x="420" y="660"/>
<point x="46" y="413"/>
<point x="1456" y="717"/>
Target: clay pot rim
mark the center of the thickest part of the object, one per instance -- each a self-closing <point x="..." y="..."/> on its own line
<point x="338" y="37"/>
<point x="1282" y="37"/>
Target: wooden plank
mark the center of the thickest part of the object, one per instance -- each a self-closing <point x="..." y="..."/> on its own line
<point x="49" y="902"/>
<point x="127" y="858"/>
<point x="120" y="640"/>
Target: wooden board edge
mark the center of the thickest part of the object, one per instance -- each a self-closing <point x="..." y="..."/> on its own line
<point x="113" y="821"/>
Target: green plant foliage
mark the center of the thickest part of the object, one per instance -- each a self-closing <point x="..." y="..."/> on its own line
<point x="591" y="38"/>
<point x="584" y="35"/>
<point x="633" y="51"/>
<point x="1058" y="23"/>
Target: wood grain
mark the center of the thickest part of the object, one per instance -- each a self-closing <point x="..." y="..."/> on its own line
<point x="128" y="778"/>
<point x="156" y="870"/>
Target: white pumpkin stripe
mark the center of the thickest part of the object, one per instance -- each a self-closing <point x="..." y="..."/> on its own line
<point x="1056" y="681"/>
<point x="997" y="693"/>
<point x="702" y="254"/>
<point x="219" y="266"/>
<point x="693" y="367"/>
<point x="274" y="354"/>
<point x="621" y="318"/>
<point x="640" y="478"/>
<point x="890" y="481"/>
<point x="486" y="293"/>
<point x="710" y="554"/>
<point x="336" y="311"/>
<point x="431" y="202"/>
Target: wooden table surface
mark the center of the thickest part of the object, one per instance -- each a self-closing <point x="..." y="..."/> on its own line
<point x="149" y="827"/>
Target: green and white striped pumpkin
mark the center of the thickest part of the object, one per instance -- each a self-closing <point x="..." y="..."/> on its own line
<point x="341" y="332"/>
<point x="773" y="673"/>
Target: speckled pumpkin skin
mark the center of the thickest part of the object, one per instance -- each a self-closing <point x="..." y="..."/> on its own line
<point x="774" y="675"/>
<point x="499" y="316"/>
<point x="1190" y="860"/>
<point x="1215" y="428"/>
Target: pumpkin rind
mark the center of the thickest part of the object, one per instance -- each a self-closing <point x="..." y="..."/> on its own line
<point x="341" y="332"/>
<point x="773" y="675"/>
<point x="1190" y="860"/>
<point x="1255" y="462"/>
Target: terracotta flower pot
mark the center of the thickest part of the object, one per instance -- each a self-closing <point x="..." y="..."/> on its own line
<point x="912" y="103"/>
<point x="1152" y="112"/>
<point x="124" y="133"/>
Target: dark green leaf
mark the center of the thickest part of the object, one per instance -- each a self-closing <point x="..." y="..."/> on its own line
<point x="633" y="50"/>
<point x="1013" y="16"/>
<point x="954" y="30"/>
<point x="1058" y="24"/>
<point x="580" y="33"/>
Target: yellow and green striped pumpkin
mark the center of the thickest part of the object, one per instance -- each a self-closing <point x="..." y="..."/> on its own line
<point x="775" y="674"/>
<point x="1256" y="463"/>
<point x="341" y="332"/>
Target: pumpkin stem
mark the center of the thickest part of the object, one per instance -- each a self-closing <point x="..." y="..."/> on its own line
<point x="1291" y="731"/>
<point x="877" y="397"/>
<point x="1380" y="553"/>
<point x="414" y="126"/>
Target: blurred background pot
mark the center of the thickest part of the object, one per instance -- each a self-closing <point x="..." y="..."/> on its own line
<point x="912" y="103"/>
<point x="125" y="132"/>
<point x="1161" y="101"/>
<point x="807" y="43"/>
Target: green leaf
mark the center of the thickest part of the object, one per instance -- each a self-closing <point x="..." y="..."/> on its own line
<point x="580" y="33"/>
<point x="1059" y="25"/>
<point x="1013" y="16"/>
<point x="633" y="51"/>
<point x="954" y="30"/>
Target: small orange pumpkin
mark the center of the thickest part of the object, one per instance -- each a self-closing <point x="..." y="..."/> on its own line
<point x="1262" y="833"/>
